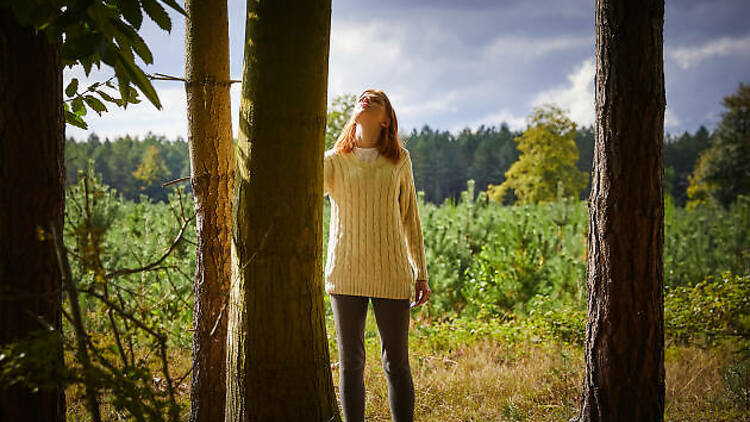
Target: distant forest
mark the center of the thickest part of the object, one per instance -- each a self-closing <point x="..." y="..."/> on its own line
<point x="443" y="162"/>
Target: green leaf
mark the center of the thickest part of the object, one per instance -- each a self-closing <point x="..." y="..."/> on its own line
<point x="75" y="48"/>
<point x="133" y="95"/>
<point x="108" y="53"/>
<point x="108" y="97"/>
<point x="131" y="10"/>
<point x="138" y="44"/>
<point x="137" y="76"/>
<point x="95" y="104"/>
<point x="157" y="13"/>
<point x="78" y="107"/>
<point x="75" y="120"/>
<point x="122" y="84"/>
<point x="174" y="5"/>
<point x="72" y="87"/>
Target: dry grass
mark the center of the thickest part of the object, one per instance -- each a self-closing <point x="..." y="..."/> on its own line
<point x="481" y="382"/>
<point x="486" y="380"/>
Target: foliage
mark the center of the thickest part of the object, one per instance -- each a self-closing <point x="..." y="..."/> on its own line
<point x="710" y="314"/>
<point x="547" y="161"/>
<point x="711" y="310"/>
<point x="486" y="258"/>
<point x="533" y="251"/>
<point x="129" y="312"/>
<point x="131" y="166"/>
<point x="705" y="240"/>
<point x="442" y="162"/>
<point x="736" y="378"/>
<point x="134" y="295"/>
<point x="337" y="116"/>
<point x="723" y="171"/>
<point x="92" y="32"/>
<point x="27" y="361"/>
<point x="151" y="170"/>
<point x="680" y="155"/>
<point x="509" y="274"/>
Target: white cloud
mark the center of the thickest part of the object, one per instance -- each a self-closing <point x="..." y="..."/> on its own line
<point x="443" y="102"/>
<point x="364" y="55"/>
<point x="518" y="47"/>
<point x="577" y="95"/>
<point x="687" y="57"/>
<point x="670" y="119"/>
<point x="496" y="118"/>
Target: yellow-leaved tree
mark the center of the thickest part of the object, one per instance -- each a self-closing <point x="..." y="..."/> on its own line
<point x="546" y="166"/>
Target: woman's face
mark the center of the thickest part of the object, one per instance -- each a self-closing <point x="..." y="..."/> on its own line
<point x="369" y="110"/>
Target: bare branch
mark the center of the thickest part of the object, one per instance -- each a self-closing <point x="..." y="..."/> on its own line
<point x="126" y="271"/>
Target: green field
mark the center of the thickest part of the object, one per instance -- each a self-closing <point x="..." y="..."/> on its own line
<point x="502" y="335"/>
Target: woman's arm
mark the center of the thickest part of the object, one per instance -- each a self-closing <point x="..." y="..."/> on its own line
<point x="410" y="219"/>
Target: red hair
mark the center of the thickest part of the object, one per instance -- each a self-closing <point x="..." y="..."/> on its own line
<point x="389" y="144"/>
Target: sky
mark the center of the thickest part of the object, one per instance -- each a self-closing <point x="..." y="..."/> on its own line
<point x="457" y="64"/>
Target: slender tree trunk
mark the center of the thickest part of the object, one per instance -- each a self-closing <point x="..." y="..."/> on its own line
<point x="212" y="164"/>
<point x="625" y="326"/>
<point x="32" y="180"/>
<point x="278" y="359"/>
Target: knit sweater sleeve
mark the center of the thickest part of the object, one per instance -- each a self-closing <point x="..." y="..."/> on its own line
<point x="410" y="219"/>
<point x="327" y="173"/>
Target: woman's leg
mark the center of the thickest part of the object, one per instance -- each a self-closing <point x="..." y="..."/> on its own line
<point x="349" y="313"/>
<point x="392" y="317"/>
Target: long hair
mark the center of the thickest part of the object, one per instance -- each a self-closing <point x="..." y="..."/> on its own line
<point x="389" y="144"/>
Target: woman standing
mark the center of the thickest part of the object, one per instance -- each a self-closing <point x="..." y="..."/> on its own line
<point x="374" y="245"/>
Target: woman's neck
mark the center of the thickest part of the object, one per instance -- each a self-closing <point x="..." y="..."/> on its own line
<point x="366" y="137"/>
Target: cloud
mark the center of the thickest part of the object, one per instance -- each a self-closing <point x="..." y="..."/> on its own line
<point x="577" y="95"/>
<point x="439" y="103"/>
<point x="522" y="47"/>
<point x="496" y="118"/>
<point x="442" y="72"/>
<point x="364" y="55"/>
<point x="691" y="56"/>
<point x="670" y="119"/>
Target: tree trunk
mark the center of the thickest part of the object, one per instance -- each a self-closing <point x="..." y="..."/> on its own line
<point x="212" y="165"/>
<point x="625" y="326"/>
<point x="32" y="180"/>
<point x="278" y="359"/>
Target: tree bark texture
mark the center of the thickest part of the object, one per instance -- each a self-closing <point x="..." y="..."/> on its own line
<point x="212" y="167"/>
<point x="278" y="363"/>
<point x="624" y="347"/>
<point x="32" y="180"/>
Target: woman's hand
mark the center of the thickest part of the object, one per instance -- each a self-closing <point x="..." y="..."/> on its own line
<point x="421" y="293"/>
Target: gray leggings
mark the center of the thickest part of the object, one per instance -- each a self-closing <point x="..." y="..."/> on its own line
<point x="392" y="318"/>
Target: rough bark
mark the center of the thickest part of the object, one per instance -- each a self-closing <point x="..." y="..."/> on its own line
<point x="32" y="180"/>
<point x="624" y="345"/>
<point x="212" y="165"/>
<point x="278" y="364"/>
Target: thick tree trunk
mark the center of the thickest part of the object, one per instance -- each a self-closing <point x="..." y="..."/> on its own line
<point x="212" y="164"/>
<point x="278" y="364"/>
<point x="32" y="180"/>
<point x="625" y="326"/>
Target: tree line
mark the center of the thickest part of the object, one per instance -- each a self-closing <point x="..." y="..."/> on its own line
<point x="443" y="161"/>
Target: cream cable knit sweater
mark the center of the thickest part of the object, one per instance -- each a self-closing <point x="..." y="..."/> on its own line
<point x="367" y="154"/>
<point x="375" y="235"/>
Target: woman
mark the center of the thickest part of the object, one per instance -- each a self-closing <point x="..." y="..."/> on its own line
<point x="374" y="244"/>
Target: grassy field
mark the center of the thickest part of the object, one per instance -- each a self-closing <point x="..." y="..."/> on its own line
<point x="484" y="379"/>
<point x="509" y="281"/>
<point x="474" y="372"/>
